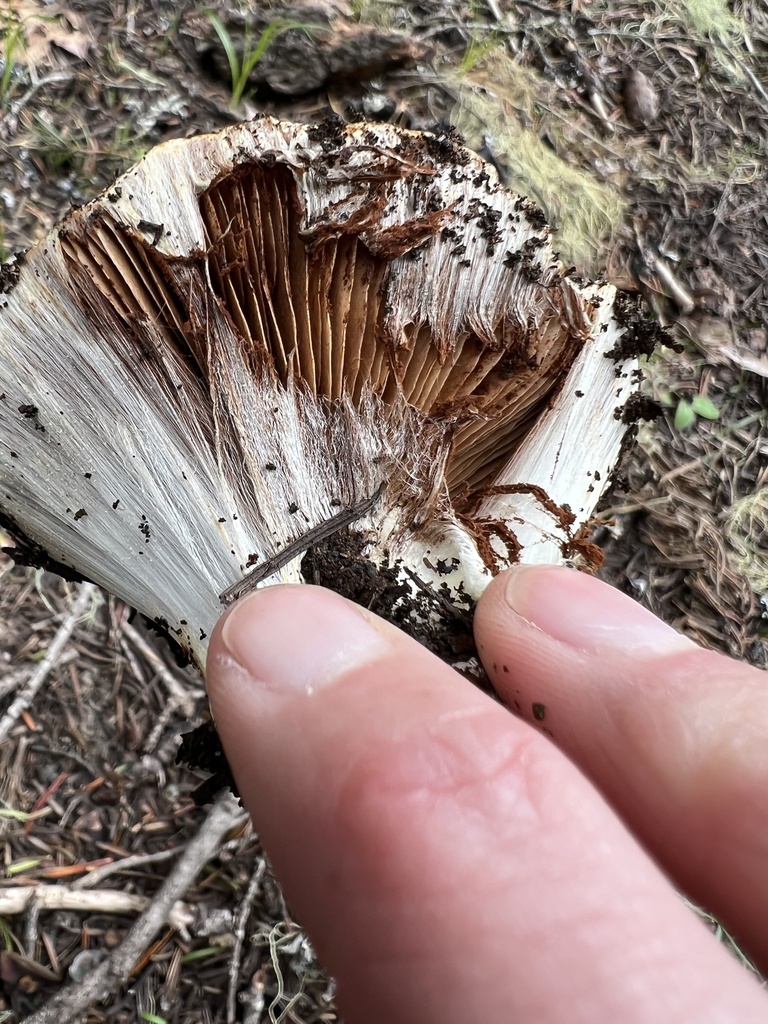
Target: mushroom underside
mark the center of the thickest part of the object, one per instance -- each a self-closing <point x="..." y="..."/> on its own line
<point x="254" y="331"/>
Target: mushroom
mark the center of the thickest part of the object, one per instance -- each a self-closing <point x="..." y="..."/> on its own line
<point x="284" y="352"/>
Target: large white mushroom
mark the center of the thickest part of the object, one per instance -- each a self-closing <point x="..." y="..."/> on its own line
<point x="281" y="338"/>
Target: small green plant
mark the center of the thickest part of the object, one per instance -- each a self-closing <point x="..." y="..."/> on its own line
<point x="61" y="150"/>
<point x="478" y="48"/>
<point x="240" y="68"/>
<point x="127" y="148"/>
<point x="20" y="867"/>
<point x="202" y="954"/>
<point x="7" y="937"/>
<point x="14" y="38"/>
<point x="9" y="812"/>
<point x="688" y="412"/>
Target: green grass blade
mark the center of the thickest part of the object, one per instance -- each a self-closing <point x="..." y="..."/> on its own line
<point x="235" y="70"/>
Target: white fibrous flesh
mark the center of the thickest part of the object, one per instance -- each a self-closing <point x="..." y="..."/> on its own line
<point x="255" y="331"/>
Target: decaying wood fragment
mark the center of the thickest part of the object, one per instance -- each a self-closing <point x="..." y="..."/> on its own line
<point x="256" y="330"/>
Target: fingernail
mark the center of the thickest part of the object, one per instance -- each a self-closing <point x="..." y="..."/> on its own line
<point x="298" y="639"/>
<point x="586" y="613"/>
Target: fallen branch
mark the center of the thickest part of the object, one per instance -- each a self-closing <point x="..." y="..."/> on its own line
<point x="49" y="662"/>
<point x="74" y="1000"/>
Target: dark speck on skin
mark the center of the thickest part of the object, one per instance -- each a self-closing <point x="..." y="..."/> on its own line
<point x="539" y="712"/>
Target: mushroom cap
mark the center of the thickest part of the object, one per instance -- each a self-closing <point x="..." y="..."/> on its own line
<point x="257" y="329"/>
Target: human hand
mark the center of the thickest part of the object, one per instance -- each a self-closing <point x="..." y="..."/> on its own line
<point x="450" y="863"/>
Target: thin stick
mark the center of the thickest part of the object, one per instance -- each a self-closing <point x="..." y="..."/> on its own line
<point x="18" y="106"/>
<point x="434" y="595"/>
<point x="163" y="719"/>
<point x="181" y="696"/>
<point x="50" y="661"/>
<point x="296" y="547"/>
<point x="676" y="289"/>
<point x="11" y="680"/>
<point x="31" y="925"/>
<point x="243" y="913"/>
<point x="124" y="864"/>
<point x="36" y="898"/>
<point x="73" y="1001"/>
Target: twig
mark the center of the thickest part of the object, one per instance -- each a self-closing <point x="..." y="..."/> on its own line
<point x="296" y="547"/>
<point x="434" y="595"/>
<point x="18" y="105"/>
<point x="243" y="913"/>
<point x="675" y="289"/>
<point x="151" y="742"/>
<point x="11" y="680"/>
<point x="124" y="864"/>
<point x="49" y="662"/>
<point x="181" y="697"/>
<point x="495" y="10"/>
<point x="74" y="1000"/>
<point x="31" y="925"/>
<point x="36" y="898"/>
<point x="252" y="999"/>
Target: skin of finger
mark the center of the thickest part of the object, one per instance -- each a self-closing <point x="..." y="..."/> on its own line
<point x="451" y="865"/>
<point x="677" y="744"/>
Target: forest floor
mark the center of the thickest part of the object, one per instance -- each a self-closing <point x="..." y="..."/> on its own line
<point x="642" y="132"/>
